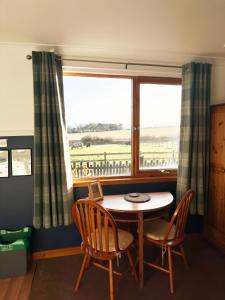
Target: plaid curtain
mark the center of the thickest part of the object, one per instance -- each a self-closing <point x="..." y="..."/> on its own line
<point x="53" y="194"/>
<point x="194" y="134"/>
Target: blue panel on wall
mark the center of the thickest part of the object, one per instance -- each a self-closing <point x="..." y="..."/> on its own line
<point x="17" y="196"/>
<point x="16" y="192"/>
<point x="54" y="238"/>
<point x="68" y="236"/>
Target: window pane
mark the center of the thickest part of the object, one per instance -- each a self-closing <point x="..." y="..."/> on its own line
<point x="159" y="126"/>
<point x="98" y="113"/>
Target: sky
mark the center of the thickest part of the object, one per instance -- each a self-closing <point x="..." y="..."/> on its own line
<point x="108" y="100"/>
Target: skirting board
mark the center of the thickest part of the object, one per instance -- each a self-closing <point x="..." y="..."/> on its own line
<point x="77" y="250"/>
<point x="56" y="253"/>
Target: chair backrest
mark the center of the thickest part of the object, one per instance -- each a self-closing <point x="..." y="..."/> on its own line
<point x="179" y="219"/>
<point x="97" y="228"/>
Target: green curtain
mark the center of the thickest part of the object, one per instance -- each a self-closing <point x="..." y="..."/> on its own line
<point x="194" y="135"/>
<point x="53" y="190"/>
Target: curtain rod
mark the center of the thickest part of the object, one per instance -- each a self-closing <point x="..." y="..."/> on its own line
<point x="116" y="63"/>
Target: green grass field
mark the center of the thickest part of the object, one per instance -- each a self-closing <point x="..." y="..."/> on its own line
<point x="122" y="152"/>
<point x="125" y="134"/>
<point x="106" y="152"/>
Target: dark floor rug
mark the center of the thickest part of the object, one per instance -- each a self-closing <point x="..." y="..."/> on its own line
<point x="205" y="279"/>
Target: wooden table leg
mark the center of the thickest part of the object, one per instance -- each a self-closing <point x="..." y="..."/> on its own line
<point x="140" y="249"/>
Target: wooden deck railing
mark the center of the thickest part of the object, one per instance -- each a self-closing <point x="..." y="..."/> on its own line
<point x="108" y="164"/>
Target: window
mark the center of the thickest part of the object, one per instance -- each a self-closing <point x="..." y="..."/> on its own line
<point x="122" y="126"/>
<point x="159" y="102"/>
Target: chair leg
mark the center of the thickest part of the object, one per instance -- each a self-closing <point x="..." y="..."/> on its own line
<point x="132" y="265"/>
<point x="111" y="288"/>
<point x="170" y="270"/>
<point x="82" y="269"/>
<point x="184" y="256"/>
<point x="87" y="265"/>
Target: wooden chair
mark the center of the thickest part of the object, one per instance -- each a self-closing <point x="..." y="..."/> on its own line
<point x="168" y="235"/>
<point x="101" y="239"/>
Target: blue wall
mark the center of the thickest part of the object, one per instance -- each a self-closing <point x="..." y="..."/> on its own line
<point x="67" y="236"/>
<point x="16" y="205"/>
<point x="16" y="192"/>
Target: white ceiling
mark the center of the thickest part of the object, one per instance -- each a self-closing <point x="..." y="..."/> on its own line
<point x="137" y="29"/>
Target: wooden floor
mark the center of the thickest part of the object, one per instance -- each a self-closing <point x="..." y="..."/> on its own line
<point x="17" y="288"/>
<point x="54" y="279"/>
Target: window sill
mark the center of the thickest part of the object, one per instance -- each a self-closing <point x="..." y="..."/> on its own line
<point x="126" y="180"/>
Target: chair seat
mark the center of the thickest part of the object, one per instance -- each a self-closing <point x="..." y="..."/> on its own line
<point x="125" y="238"/>
<point x="156" y="229"/>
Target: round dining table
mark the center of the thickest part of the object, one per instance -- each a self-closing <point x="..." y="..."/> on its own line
<point x="126" y="211"/>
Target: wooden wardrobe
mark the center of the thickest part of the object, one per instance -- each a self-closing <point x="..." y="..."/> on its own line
<point x="215" y="226"/>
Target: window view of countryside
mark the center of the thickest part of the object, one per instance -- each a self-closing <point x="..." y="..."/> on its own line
<point x="99" y="113"/>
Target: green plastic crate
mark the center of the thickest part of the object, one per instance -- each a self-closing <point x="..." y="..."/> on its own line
<point x="17" y="245"/>
<point x="13" y="258"/>
<point x="13" y="235"/>
<point x="14" y="251"/>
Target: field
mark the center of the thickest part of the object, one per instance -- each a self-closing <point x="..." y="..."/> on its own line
<point x="126" y="134"/>
<point x="115" y="158"/>
<point x="121" y="152"/>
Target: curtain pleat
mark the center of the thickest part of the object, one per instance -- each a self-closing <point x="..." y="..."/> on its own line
<point x="53" y="195"/>
<point x="194" y="134"/>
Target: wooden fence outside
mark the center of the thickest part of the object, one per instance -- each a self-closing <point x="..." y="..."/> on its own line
<point x="118" y="166"/>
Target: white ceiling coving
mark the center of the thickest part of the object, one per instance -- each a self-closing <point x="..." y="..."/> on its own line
<point x="117" y="28"/>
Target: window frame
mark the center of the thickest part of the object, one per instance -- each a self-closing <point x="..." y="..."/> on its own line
<point x="137" y="175"/>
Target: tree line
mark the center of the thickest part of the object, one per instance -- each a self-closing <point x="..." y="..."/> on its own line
<point x="95" y="127"/>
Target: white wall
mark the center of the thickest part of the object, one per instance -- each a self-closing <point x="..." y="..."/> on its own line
<point x="16" y="92"/>
<point x="218" y="82"/>
<point x="16" y="89"/>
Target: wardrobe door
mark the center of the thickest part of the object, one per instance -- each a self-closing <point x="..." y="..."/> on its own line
<point x="217" y="158"/>
<point x="216" y="206"/>
<point x="215" y="228"/>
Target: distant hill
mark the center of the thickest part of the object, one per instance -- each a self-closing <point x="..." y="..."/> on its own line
<point x="124" y="135"/>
